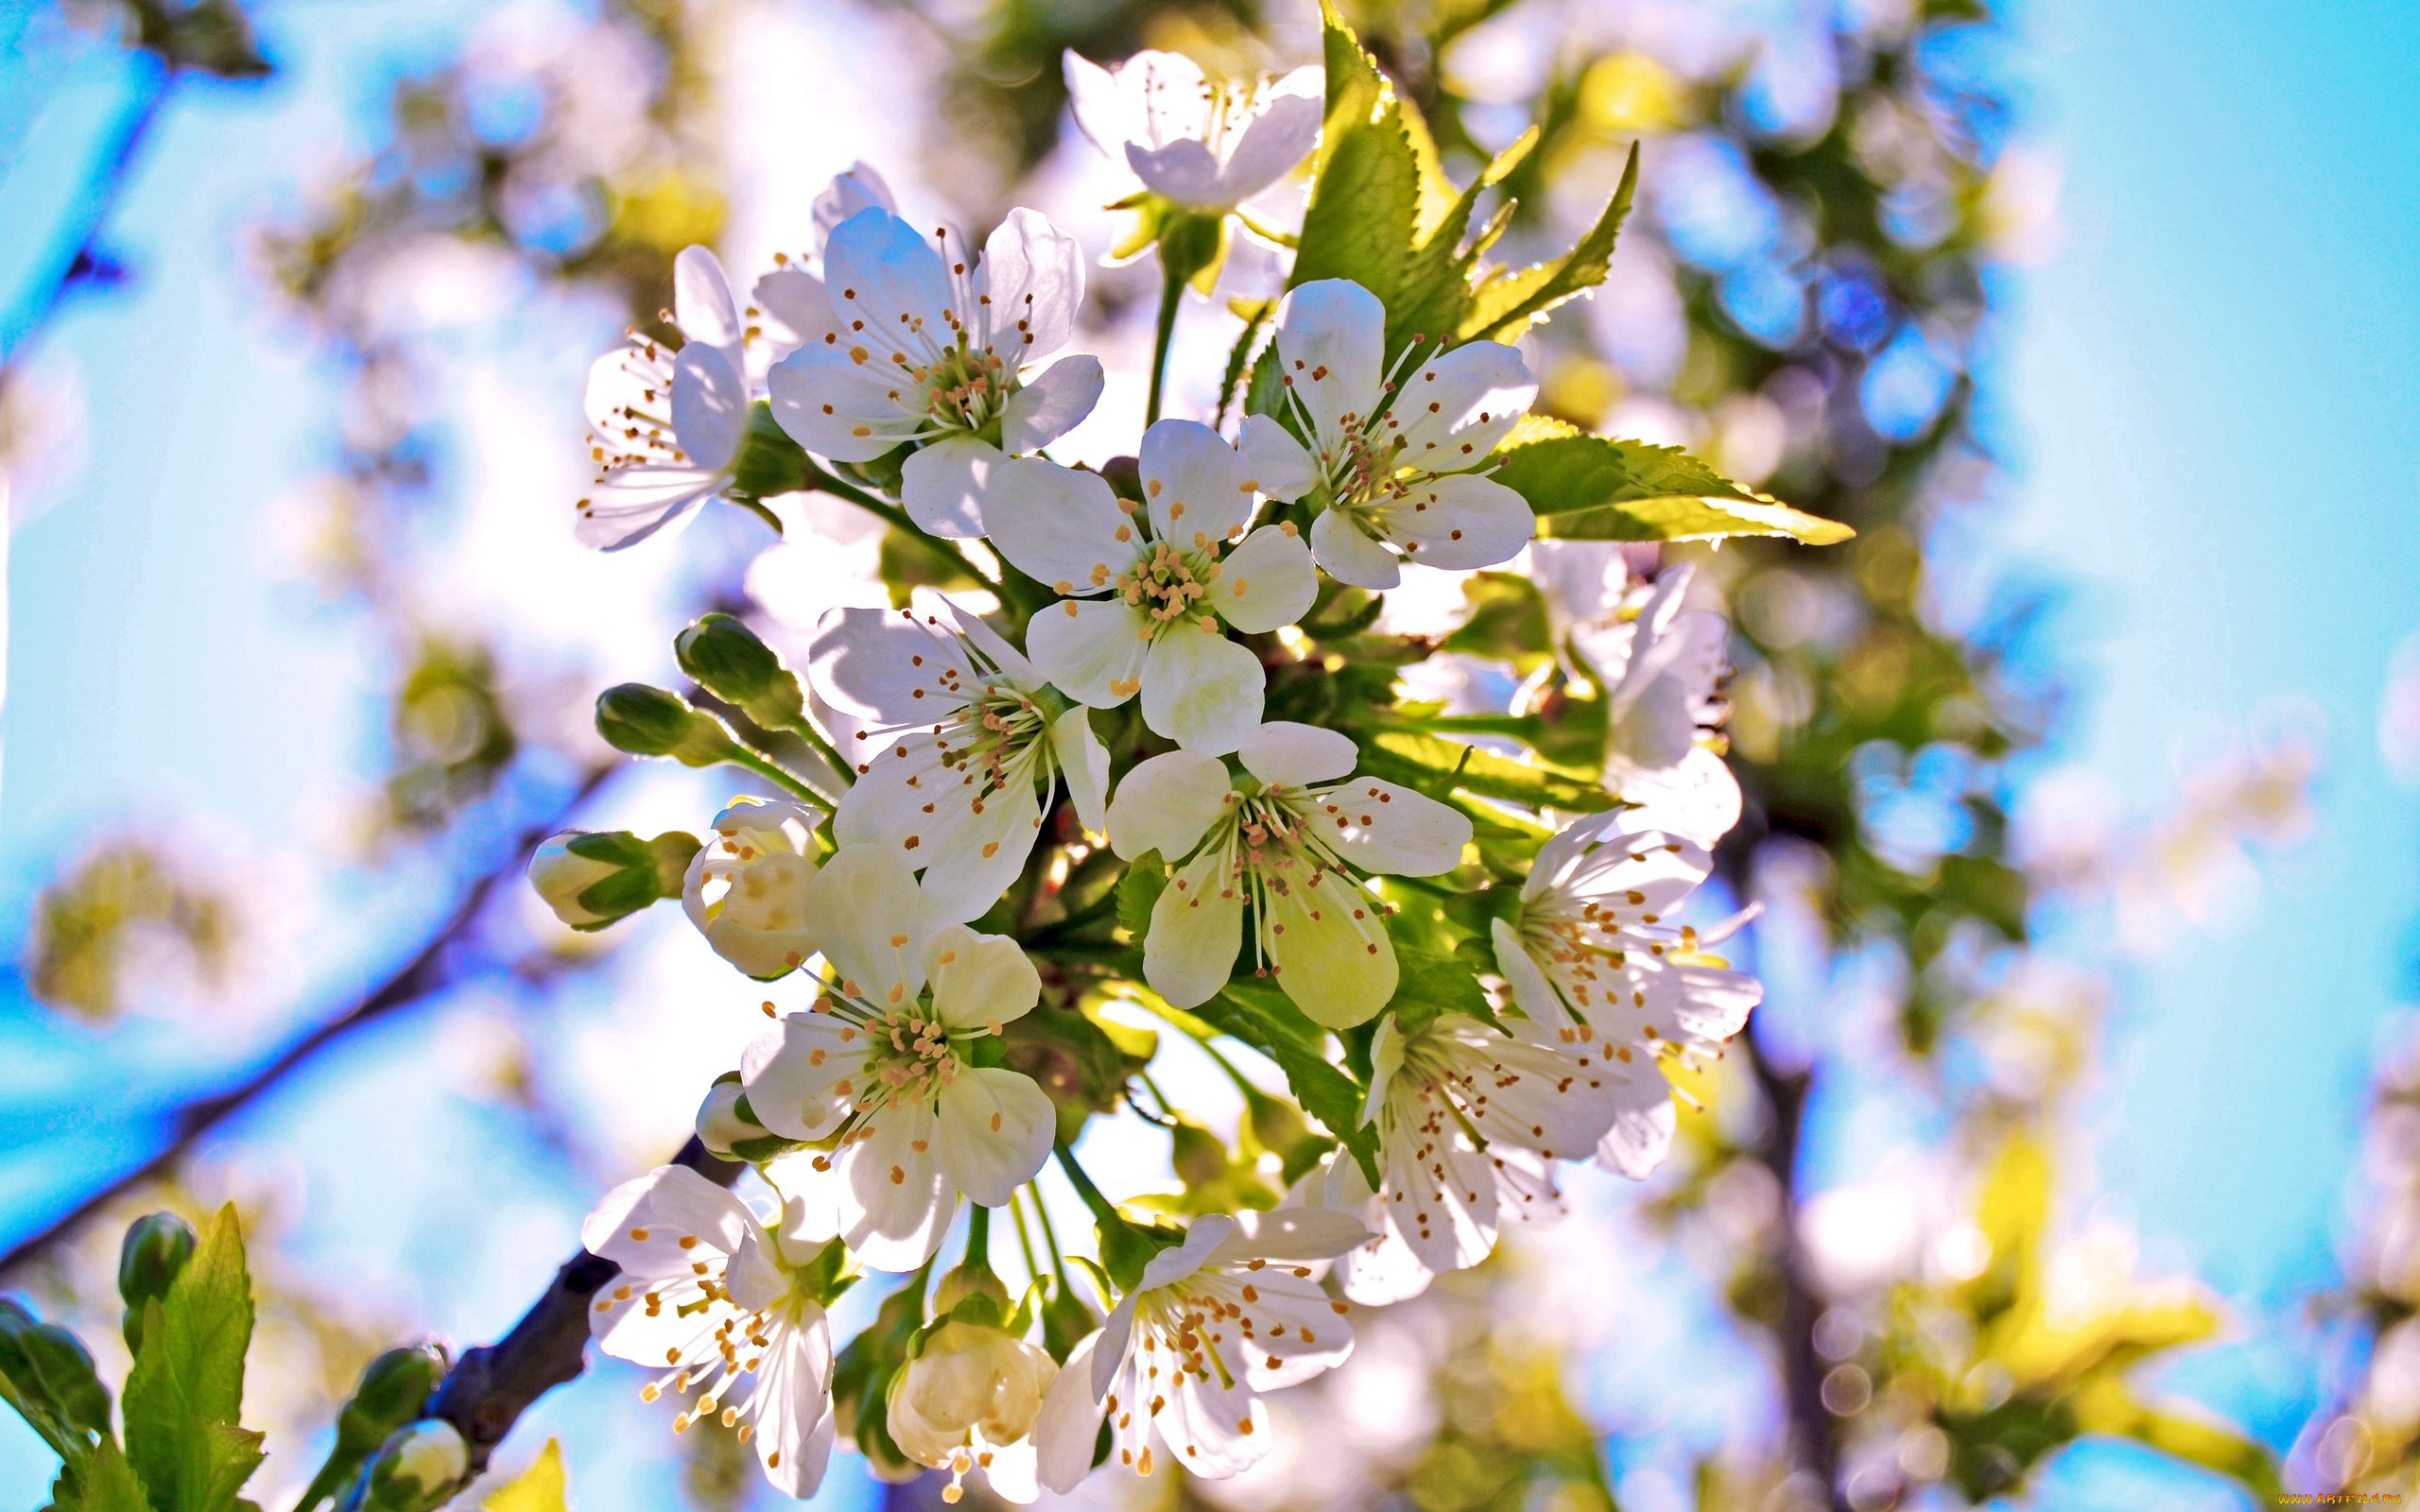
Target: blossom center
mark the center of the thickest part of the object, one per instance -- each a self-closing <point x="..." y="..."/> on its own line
<point x="965" y="389"/>
<point x="1166" y="584"/>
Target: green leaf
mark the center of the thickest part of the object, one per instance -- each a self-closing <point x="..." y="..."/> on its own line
<point x="1435" y="289"/>
<point x="1429" y="986"/>
<point x="1263" y="1019"/>
<point x="110" y="1485"/>
<point x="1505" y="302"/>
<point x="1434" y="765"/>
<point x="1146" y="878"/>
<point x="1365" y="200"/>
<point x="1509" y="620"/>
<point x="186" y="1389"/>
<point x="1592" y="488"/>
<point x="539" y="1489"/>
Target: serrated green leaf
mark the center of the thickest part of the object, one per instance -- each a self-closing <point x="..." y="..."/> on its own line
<point x="1594" y="488"/>
<point x="1435" y="288"/>
<point x="539" y="1489"/>
<point x="110" y="1485"/>
<point x="1146" y="878"/>
<point x="1363" y="213"/>
<point x="186" y="1389"/>
<point x="1505" y="304"/>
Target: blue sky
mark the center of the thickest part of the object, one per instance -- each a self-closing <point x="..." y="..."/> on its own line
<point x="2208" y="398"/>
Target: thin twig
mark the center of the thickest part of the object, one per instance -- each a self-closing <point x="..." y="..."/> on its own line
<point x="431" y="969"/>
<point x="81" y="244"/>
<point x="490" y="1388"/>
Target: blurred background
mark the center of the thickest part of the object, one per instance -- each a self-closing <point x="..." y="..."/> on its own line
<point x="2074" y="1161"/>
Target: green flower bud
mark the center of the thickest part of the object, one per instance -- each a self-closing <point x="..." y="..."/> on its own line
<point x="769" y="463"/>
<point x="1198" y="1156"/>
<point x="646" y="721"/>
<point x="420" y="1465"/>
<point x="971" y="1279"/>
<point x="149" y="1259"/>
<point x="728" y="660"/>
<point x="592" y="879"/>
<point x="49" y="1369"/>
<point x="394" y="1387"/>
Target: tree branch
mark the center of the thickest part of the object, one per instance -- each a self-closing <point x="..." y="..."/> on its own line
<point x="435" y="966"/>
<point x="1812" y="1431"/>
<point x="490" y="1388"/>
<point x="79" y="242"/>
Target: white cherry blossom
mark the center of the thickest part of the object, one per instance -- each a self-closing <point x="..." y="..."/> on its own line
<point x="1390" y="458"/>
<point x="1661" y="664"/>
<point x="789" y="307"/>
<point x="708" y="1296"/>
<point x="968" y="1402"/>
<point x="1147" y="585"/>
<point x="666" y="426"/>
<point x="1291" y="839"/>
<point x="1179" y="1368"/>
<point x="962" y="744"/>
<point x="1205" y="144"/>
<point x="1594" y="959"/>
<point x="933" y="348"/>
<point x="746" y="887"/>
<point x="1469" y="1120"/>
<point x="885" y="1067"/>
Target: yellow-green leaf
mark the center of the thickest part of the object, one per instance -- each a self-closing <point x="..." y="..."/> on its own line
<point x="539" y="1489"/>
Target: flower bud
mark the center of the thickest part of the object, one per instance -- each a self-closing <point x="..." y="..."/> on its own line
<point x="592" y="879"/>
<point x="50" y="1372"/>
<point x="728" y="660"/>
<point x="972" y="1279"/>
<point x="726" y="1126"/>
<point x="646" y="721"/>
<point x="970" y="1386"/>
<point x="418" y="1467"/>
<point x="746" y="891"/>
<point x="770" y="463"/>
<point x="393" y="1391"/>
<point x="149" y="1259"/>
<point x="1198" y="1156"/>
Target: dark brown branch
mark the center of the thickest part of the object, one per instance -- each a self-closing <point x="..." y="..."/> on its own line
<point x="435" y="966"/>
<point x="490" y="1388"/>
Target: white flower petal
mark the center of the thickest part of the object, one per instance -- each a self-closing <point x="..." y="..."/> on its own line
<point x="1282" y="136"/>
<point x="1298" y="755"/>
<point x="1196" y="927"/>
<point x="1167" y="803"/>
<point x="1394" y="831"/>
<point x="979" y="981"/>
<point x="640" y="1224"/>
<point x="1459" y="521"/>
<point x="1278" y="464"/>
<point x="631" y="504"/>
<point x="995" y="1131"/>
<point x="1200" y="689"/>
<point x="794" y="311"/>
<point x="1069" y="1424"/>
<point x="879" y="271"/>
<point x="970" y="861"/>
<point x="1291" y="1234"/>
<point x="1034" y="274"/>
<point x="868" y="914"/>
<point x="1185" y="171"/>
<point x="859" y="188"/>
<point x="1531" y="992"/>
<point x="702" y="306"/>
<point x="942" y="485"/>
<point x="886" y="665"/>
<point x="1057" y="525"/>
<point x="1643" y="1122"/>
<point x="1265" y="583"/>
<point x="1699" y="798"/>
<point x="794" y="1425"/>
<point x="1350" y="554"/>
<point x="1331" y="348"/>
<point x="793" y="1072"/>
<point x="1328" y="945"/>
<point x="1196" y="488"/>
<point x="841" y="405"/>
<point x="1051" y="403"/>
<point x="1093" y="650"/>
<point x="899" y="1199"/>
<point x="1461" y="405"/>
<point x="1084" y="765"/>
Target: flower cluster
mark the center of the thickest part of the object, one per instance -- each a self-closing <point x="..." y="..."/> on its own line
<point x="1150" y="733"/>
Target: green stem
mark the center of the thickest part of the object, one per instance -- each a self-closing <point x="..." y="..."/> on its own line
<point x="978" y="1236"/>
<point x="1172" y="281"/>
<point x="804" y="730"/>
<point x="1102" y="1209"/>
<point x="778" y="776"/>
<point x="1025" y="1236"/>
<point x="818" y="478"/>
<point x="1049" y="1235"/>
